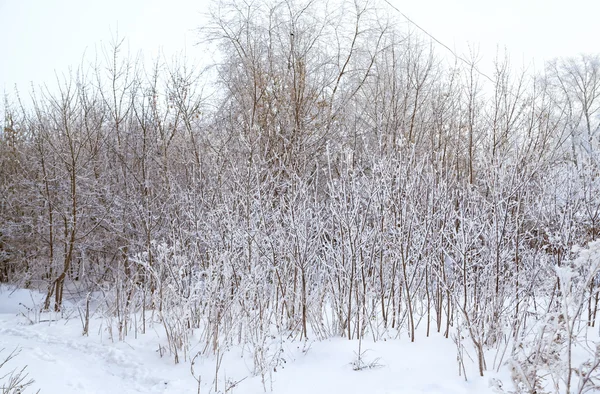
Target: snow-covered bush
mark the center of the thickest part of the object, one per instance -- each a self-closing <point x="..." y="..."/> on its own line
<point x="16" y="381"/>
<point x="558" y="352"/>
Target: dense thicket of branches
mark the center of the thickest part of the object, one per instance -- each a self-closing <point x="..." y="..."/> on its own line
<point x="339" y="179"/>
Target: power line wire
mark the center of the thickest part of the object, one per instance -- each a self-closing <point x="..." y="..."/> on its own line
<point x="470" y="64"/>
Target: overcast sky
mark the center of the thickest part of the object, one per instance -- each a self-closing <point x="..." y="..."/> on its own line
<point x="41" y="37"/>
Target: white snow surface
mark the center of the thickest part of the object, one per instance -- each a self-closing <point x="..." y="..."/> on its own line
<point x="62" y="361"/>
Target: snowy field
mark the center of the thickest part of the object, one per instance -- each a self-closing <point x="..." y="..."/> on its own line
<point x="62" y="361"/>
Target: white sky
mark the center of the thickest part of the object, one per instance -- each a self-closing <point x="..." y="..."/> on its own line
<point x="41" y="37"/>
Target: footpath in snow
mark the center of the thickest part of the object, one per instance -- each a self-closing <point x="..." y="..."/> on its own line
<point x="62" y="361"/>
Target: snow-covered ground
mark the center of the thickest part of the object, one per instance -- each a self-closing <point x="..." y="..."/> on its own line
<point x="63" y="361"/>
